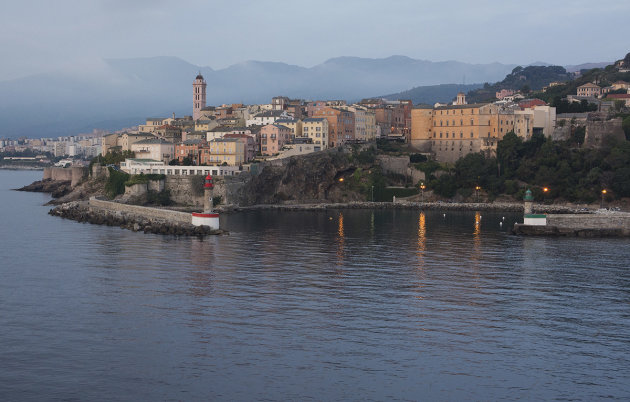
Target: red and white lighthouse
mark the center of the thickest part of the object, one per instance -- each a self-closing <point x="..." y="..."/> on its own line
<point x="207" y="217"/>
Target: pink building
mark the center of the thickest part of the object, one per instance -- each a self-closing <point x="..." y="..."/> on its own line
<point x="273" y="137"/>
<point x="503" y="93"/>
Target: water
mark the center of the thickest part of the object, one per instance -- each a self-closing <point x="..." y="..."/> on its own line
<point x="353" y="305"/>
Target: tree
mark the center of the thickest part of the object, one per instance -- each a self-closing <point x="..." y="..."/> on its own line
<point x="625" y="124"/>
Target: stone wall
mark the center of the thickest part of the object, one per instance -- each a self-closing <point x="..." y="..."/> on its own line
<point x="590" y="221"/>
<point x="156" y="214"/>
<point x="598" y="129"/>
<point x="394" y="164"/>
<point x="185" y="190"/>
<point x="72" y="174"/>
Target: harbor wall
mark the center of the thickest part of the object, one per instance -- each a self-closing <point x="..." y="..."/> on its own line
<point x="590" y="221"/>
<point x="155" y="214"/>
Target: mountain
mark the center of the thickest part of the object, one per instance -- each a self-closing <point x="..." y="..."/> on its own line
<point x="586" y="66"/>
<point x="115" y="93"/>
<point x="431" y="94"/>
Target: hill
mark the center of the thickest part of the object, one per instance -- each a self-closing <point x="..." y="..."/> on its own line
<point x="526" y="79"/>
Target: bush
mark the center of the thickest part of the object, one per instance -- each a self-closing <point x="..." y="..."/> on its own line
<point x="417" y="158"/>
<point x="162" y="198"/>
<point x="115" y="184"/>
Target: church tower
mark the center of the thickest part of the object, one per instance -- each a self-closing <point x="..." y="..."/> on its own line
<point x="199" y="96"/>
<point x="461" y="99"/>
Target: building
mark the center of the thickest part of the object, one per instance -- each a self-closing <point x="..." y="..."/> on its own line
<point x="199" y="96"/>
<point x="149" y="166"/>
<point x="127" y="139"/>
<point x="317" y="130"/>
<point x="273" y="137"/>
<point x="267" y="117"/>
<point x="294" y="125"/>
<point x="169" y="133"/>
<point x="249" y="142"/>
<point x="228" y="151"/>
<point x="340" y="123"/>
<point x="503" y="93"/>
<point x="589" y="90"/>
<point x="153" y="123"/>
<point x="451" y="132"/>
<point x="189" y="149"/>
<point x="364" y="122"/>
<point x="110" y="143"/>
<point x="156" y="149"/>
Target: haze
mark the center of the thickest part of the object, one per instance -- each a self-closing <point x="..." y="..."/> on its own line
<point x="72" y="35"/>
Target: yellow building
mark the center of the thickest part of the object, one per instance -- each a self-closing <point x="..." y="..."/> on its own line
<point x="294" y="125"/>
<point x="110" y="142"/>
<point x="225" y="150"/>
<point x="153" y="123"/>
<point x="451" y="132"/>
<point x="128" y="139"/>
<point x="317" y="130"/>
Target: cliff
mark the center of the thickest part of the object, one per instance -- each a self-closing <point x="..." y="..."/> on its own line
<point x="310" y="178"/>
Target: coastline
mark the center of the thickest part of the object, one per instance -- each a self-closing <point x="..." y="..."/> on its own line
<point x="445" y="206"/>
<point x="9" y="167"/>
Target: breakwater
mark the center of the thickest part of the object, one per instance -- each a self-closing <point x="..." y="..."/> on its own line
<point x="601" y="224"/>
<point x="132" y="217"/>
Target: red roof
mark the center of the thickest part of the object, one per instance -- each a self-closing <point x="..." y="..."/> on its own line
<point x="618" y="96"/>
<point x="530" y="103"/>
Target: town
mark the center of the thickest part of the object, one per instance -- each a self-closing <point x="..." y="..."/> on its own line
<point x="230" y="137"/>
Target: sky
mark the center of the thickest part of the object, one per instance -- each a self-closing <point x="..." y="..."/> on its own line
<point x="42" y="35"/>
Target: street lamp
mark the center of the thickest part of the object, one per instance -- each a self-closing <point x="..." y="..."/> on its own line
<point x="341" y="180"/>
<point x="601" y="205"/>
<point x="545" y="191"/>
<point x="477" y="188"/>
<point x="372" y="193"/>
<point x="422" y="187"/>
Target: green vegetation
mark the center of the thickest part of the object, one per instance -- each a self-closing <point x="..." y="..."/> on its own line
<point x="115" y="184"/>
<point x="523" y="79"/>
<point x="570" y="173"/>
<point x="564" y="106"/>
<point x="143" y="178"/>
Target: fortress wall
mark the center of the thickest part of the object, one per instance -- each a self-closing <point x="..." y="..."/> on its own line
<point x="72" y="174"/>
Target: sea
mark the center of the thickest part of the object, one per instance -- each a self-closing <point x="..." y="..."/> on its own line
<point x="333" y="305"/>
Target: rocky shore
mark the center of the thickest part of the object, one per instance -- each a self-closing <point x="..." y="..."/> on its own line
<point x="80" y="211"/>
<point x="56" y="188"/>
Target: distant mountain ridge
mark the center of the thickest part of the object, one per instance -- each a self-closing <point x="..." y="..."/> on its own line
<point x="117" y="93"/>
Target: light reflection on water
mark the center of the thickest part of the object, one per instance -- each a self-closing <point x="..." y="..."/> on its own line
<point x="344" y="304"/>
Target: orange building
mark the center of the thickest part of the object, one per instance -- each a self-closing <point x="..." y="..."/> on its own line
<point x="340" y="123"/>
<point x="451" y="132"/>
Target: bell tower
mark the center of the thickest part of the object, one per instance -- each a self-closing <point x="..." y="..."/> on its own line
<point x="199" y="96"/>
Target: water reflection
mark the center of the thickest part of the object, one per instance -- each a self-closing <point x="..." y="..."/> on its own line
<point x="422" y="238"/>
<point x="475" y="256"/>
<point x="341" y="240"/>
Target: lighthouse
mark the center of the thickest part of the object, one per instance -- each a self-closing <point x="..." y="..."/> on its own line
<point x="207" y="217"/>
